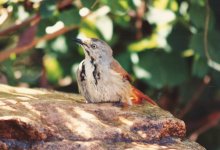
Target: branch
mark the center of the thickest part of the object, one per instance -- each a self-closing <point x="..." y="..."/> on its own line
<point x="17" y="50"/>
<point x="34" y="19"/>
<point x="195" y="97"/>
<point x="139" y="19"/>
<point x="205" y="38"/>
<point x="94" y="4"/>
<point x="210" y="121"/>
<point x="211" y="62"/>
<point x="63" y="4"/>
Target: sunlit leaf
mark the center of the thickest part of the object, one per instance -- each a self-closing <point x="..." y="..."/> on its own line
<point x="59" y="45"/>
<point x="3" y="2"/>
<point x="22" y="14"/>
<point x="53" y="68"/>
<point x="173" y="5"/>
<point x="161" y="4"/>
<point x="105" y="26"/>
<point x="188" y="53"/>
<point x="146" y="43"/>
<point x="88" y="29"/>
<point x="160" y="16"/>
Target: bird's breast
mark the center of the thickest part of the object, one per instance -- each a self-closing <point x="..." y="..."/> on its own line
<point x="104" y="84"/>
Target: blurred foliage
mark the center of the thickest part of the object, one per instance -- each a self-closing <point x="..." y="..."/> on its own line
<point x="170" y="47"/>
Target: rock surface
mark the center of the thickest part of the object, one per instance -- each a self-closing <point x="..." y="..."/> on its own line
<point x="49" y="120"/>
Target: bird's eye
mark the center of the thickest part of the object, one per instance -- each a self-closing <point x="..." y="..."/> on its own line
<point x="94" y="46"/>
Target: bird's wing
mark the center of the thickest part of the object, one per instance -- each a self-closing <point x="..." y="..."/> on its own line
<point x="118" y="68"/>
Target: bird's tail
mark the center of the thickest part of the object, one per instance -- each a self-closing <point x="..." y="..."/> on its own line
<point x="138" y="96"/>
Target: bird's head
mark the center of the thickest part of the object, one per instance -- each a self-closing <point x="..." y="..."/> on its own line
<point x="95" y="49"/>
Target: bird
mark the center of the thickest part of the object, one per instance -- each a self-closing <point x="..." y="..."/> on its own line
<point x="101" y="78"/>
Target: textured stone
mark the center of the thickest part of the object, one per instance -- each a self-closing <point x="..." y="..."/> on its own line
<point x="42" y="119"/>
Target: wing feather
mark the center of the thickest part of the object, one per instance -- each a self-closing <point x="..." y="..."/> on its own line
<point x="118" y="68"/>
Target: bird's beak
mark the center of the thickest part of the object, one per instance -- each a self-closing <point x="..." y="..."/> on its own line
<point x="80" y="42"/>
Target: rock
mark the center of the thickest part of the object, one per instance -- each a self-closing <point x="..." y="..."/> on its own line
<point x="50" y="120"/>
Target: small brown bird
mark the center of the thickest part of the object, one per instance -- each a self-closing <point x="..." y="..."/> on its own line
<point x="102" y="79"/>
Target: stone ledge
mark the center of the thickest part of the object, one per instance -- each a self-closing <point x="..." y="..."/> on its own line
<point x="42" y="119"/>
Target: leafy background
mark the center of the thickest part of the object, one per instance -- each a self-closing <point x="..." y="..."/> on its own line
<point x="170" y="47"/>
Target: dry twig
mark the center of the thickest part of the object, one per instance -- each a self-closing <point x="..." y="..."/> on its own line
<point x="210" y="121"/>
<point x="17" y="50"/>
<point x="195" y="97"/>
<point x="139" y="19"/>
<point x="34" y="19"/>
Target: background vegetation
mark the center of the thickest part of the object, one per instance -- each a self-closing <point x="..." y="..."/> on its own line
<point x="170" y="47"/>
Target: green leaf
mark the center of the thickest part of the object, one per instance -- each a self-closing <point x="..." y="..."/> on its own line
<point x="30" y="75"/>
<point x="122" y="21"/>
<point x="200" y="67"/>
<point x="6" y="67"/>
<point x="197" y="44"/>
<point x="179" y="37"/>
<point x="198" y="2"/>
<point x="124" y="59"/>
<point x="47" y="8"/>
<point x="88" y="3"/>
<point x="215" y="76"/>
<point x="163" y="69"/>
<point x="197" y="16"/>
<point x="44" y="23"/>
<point x="70" y="17"/>
<point x="118" y="7"/>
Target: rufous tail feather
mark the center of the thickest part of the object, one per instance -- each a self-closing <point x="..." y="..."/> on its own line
<point x="138" y="97"/>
